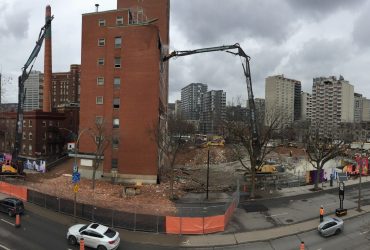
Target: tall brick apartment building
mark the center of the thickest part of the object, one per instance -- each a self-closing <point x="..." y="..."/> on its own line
<point x="124" y="84"/>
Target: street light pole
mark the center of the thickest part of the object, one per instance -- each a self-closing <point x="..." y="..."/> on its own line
<point x="75" y="167"/>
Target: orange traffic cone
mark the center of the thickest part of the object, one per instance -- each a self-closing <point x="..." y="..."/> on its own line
<point x="301" y="247"/>
<point x="17" y="220"/>
<point x="82" y="244"/>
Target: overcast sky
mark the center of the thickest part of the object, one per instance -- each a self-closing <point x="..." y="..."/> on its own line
<point x="298" y="38"/>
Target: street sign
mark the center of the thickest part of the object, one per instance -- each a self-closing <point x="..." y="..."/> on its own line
<point x="75" y="169"/>
<point x="76" y="177"/>
<point x="75" y="188"/>
<point x="342" y="177"/>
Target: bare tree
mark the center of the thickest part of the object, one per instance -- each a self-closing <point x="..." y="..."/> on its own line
<point x="170" y="139"/>
<point x="240" y="136"/>
<point x="320" y="149"/>
<point x="100" y="136"/>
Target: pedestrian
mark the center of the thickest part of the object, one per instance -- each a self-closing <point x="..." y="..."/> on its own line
<point x="322" y="213"/>
<point x="301" y="247"/>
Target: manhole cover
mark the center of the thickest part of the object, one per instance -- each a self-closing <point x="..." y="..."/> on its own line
<point x="289" y="221"/>
<point x="304" y="200"/>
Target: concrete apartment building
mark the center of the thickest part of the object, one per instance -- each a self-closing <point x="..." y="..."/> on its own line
<point x="125" y="85"/>
<point x="306" y="106"/>
<point x="361" y="108"/>
<point x="332" y="103"/>
<point x="283" y="99"/>
<point x="191" y="100"/>
<point x="65" y="86"/>
<point x="212" y="112"/>
<point x="34" y="91"/>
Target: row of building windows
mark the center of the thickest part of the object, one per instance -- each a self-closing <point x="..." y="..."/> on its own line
<point x="119" y="21"/>
<point x="116" y="81"/>
<point x="116" y="101"/>
<point x="117" y="62"/>
<point x="117" y="42"/>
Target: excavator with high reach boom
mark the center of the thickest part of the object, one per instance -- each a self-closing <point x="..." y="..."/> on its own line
<point x="238" y="51"/>
<point x="15" y="165"/>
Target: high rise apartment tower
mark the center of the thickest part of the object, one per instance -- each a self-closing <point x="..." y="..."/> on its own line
<point x="332" y="103"/>
<point x="124" y="85"/>
<point x="282" y="99"/>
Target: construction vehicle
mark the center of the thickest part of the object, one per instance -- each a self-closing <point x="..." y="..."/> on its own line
<point x="15" y="166"/>
<point x="256" y="144"/>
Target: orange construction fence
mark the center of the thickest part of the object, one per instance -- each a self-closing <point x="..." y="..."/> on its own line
<point x="199" y="225"/>
<point x="17" y="191"/>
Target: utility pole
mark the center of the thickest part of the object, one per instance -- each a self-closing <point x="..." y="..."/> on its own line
<point x="207" y="175"/>
<point x="359" y="183"/>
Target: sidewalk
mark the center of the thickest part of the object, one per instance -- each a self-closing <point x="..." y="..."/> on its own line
<point x="229" y="239"/>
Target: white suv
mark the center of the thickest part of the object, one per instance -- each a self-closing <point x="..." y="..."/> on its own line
<point x="94" y="235"/>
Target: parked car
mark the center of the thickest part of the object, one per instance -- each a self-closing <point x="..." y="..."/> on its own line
<point x="330" y="226"/>
<point x="11" y="206"/>
<point x="94" y="235"/>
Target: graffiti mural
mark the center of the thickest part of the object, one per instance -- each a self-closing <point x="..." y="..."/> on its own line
<point x="38" y="165"/>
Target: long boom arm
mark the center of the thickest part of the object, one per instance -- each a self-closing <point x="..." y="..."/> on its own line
<point x="256" y="144"/>
<point x="21" y="92"/>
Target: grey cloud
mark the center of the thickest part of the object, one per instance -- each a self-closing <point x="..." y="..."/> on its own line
<point x="324" y="7"/>
<point x="205" y="21"/>
<point x="15" y="20"/>
<point x="361" y="31"/>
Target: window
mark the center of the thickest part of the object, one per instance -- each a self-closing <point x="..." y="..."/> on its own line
<point x="30" y="149"/>
<point x="114" y="163"/>
<point x="44" y="123"/>
<point x="99" y="139"/>
<point x="100" y="61"/>
<point x="30" y="123"/>
<point x="115" y="142"/>
<point x="117" y="62"/>
<point x="101" y="22"/>
<point x="116" y="102"/>
<point x="44" y="136"/>
<point x="99" y="100"/>
<point x="119" y="20"/>
<point x="24" y="135"/>
<point x="117" y="82"/>
<point x="101" y="42"/>
<point x="100" y="80"/>
<point x="29" y="136"/>
<point x="116" y="123"/>
<point x="50" y="123"/>
<point x="99" y="119"/>
<point x="117" y="42"/>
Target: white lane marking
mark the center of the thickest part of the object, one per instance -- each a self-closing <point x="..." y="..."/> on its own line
<point x="4" y="247"/>
<point x="364" y="232"/>
<point x="7" y="222"/>
<point x="186" y="242"/>
<point x="274" y="215"/>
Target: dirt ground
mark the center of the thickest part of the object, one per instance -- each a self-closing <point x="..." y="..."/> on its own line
<point x="190" y="176"/>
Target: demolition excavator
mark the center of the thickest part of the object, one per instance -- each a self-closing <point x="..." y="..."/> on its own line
<point x="14" y="166"/>
<point x="237" y="51"/>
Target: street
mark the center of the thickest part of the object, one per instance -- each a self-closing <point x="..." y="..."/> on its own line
<point x="356" y="235"/>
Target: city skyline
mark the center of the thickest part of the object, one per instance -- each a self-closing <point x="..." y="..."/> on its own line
<point x="303" y="40"/>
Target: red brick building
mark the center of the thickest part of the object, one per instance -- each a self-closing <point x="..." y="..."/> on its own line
<point x="42" y="137"/>
<point x="65" y="87"/>
<point x="125" y="84"/>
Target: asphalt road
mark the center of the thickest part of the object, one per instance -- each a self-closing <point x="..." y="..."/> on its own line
<point x="36" y="232"/>
<point x="356" y="235"/>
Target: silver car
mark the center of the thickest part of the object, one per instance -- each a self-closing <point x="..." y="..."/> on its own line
<point x="94" y="235"/>
<point x="330" y="226"/>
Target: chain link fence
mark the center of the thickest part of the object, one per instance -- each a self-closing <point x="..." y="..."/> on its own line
<point x="133" y="220"/>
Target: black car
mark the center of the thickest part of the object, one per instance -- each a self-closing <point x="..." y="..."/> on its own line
<point x="11" y="206"/>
